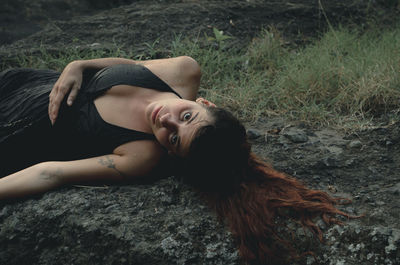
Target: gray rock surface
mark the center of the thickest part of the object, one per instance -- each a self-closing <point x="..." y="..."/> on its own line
<point x="161" y="223"/>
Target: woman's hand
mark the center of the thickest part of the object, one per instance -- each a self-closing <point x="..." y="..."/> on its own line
<point x="70" y="82"/>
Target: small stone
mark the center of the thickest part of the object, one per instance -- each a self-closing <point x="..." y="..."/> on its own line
<point x="268" y="138"/>
<point x="350" y="162"/>
<point x="350" y="210"/>
<point x="321" y="224"/>
<point x="253" y="134"/>
<point x="296" y="136"/>
<point x="317" y="178"/>
<point x="329" y="161"/>
<point x="380" y="203"/>
<point x="355" y="144"/>
<point x="340" y="262"/>
<point x="310" y="260"/>
<point x="395" y="189"/>
<point x="368" y="199"/>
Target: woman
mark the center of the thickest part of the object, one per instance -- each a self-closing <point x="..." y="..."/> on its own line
<point x="122" y="122"/>
<point x="149" y="121"/>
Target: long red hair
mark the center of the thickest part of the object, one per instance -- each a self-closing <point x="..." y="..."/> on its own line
<point x="265" y="196"/>
<point x="249" y="195"/>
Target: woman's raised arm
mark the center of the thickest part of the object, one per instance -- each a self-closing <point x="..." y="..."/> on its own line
<point x="70" y="81"/>
<point x="181" y="73"/>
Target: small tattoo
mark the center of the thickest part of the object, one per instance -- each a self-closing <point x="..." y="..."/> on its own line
<point x="48" y="175"/>
<point x="109" y="162"/>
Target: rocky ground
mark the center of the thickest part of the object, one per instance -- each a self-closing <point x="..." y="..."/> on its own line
<point x="165" y="222"/>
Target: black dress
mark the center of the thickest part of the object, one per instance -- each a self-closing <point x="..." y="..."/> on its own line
<point x="26" y="134"/>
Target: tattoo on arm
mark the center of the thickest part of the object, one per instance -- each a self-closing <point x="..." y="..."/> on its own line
<point x="49" y="175"/>
<point x="109" y="162"/>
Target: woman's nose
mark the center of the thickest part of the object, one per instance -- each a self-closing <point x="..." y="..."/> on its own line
<point x="168" y="121"/>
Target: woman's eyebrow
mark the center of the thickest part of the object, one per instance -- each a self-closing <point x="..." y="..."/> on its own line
<point x="194" y="117"/>
<point x="178" y="144"/>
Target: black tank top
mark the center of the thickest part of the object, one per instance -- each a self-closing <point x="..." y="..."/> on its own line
<point x="26" y="135"/>
<point x="96" y="135"/>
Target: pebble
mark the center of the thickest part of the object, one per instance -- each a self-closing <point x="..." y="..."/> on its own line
<point x="380" y="203"/>
<point x="296" y="136"/>
<point x="395" y="189"/>
<point x="355" y="144"/>
<point x="389" y="143"/>
<point x="317" y="178"/>
<point x="329" y="161"/>
<point x="369" y="199"/>
<point x="253" y="134"/>
<point x="350" y="162"/>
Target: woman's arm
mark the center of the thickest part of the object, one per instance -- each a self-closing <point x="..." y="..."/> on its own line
<point x="51" y="175"/>
<point x="181" y="73"/>
<point x="70" y="81"/>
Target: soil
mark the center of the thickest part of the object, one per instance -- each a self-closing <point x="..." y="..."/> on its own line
<point x="165" y="222"/>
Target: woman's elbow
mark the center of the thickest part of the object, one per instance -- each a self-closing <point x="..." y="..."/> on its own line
<point x="191" y="67"/>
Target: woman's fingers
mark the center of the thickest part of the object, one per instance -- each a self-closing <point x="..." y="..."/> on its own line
<point x="69" y="83"/>
<point x="54" y="103"/>
<point x="73" y="94"/>
<point x="51" y="101"/>
<point x="56" y="97"/>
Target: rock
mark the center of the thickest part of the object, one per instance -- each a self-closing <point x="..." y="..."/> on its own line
<point x="350" y="162"/>
<point x="355" y="144"/>
<point x="296" y="135"/>
<point x="395" y="189"/>
<point x="253" y="134"/>
<point x="366" y="244"/>
<point x="335" y="150"/>
<point x="115" y="225"/>
<point x="327" y="162"/>
<point x="389" y="143"/>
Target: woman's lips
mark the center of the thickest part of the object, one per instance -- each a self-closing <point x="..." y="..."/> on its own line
<point x="155" y="113"/>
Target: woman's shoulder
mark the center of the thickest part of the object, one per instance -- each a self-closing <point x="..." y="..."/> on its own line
<point x="143" y="155"/>
<point x="144" y="148"/>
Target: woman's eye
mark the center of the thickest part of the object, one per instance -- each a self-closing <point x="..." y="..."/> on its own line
<point x="174" y="139"/>
<point x="187" y="116"/>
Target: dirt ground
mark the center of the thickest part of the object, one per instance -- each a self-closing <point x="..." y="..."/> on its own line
<point x="363" y="166"/>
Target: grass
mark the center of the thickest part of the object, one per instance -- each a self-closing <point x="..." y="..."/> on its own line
<point x="345" y="79"/>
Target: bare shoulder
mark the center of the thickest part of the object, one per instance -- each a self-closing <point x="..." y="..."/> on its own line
<point x="186" y="64"/>
<point x="182" y="73"/>
<point x="141" y="157"/>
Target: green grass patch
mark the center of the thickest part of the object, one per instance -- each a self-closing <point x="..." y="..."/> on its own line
<point x="344" y="79"/>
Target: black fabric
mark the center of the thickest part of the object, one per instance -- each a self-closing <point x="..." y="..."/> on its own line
<point x="26" y="134"/>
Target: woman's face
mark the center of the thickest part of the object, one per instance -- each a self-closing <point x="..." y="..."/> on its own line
<point x="175" y="121"/>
